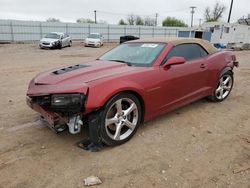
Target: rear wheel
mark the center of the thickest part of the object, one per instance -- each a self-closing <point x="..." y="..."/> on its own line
<point x="120" y="119"/>
<point x="224" y="87"/>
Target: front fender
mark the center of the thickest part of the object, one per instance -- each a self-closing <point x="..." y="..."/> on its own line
<point x="99" y="94"/>
<point x="226" y="69"/>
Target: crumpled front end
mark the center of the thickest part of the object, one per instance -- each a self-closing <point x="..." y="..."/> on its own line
<point x="59" y="105"/>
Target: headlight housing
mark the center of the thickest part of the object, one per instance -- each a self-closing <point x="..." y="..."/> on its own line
<point x="71" y="103"/>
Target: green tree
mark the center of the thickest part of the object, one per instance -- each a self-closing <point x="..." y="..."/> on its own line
<point x="215" y="14"/>
<point x="131" y="19"/>
<point x="149" y="21"/>
<point x="84" y="20"/>
<point x="122" y="22"/>
<point x="52" y="20"/>
<point x="173" y="22"/>
<point x="139" y="20"/>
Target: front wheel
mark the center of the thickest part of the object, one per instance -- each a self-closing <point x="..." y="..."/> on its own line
<point x="70" y="43"/>
<point x="224" y="87"/>
<point x="120" y="119"/>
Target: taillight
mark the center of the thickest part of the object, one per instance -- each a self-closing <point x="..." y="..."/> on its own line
<point x="235" y="62"/>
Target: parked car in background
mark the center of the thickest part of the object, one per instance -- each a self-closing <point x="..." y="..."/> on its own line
<point x="134" y="82"/>
<point x="94" y="39"/>
<point x="127" y="38"/>
<point x="55" y="40"/>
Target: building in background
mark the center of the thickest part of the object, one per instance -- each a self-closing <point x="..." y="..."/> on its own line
<point x="228" y="33"/>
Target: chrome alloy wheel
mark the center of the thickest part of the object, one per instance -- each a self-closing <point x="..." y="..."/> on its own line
<point x="224" y="87"/>
<point x="121" y="119"/>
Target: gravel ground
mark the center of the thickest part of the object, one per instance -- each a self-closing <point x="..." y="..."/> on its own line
<point x="203" y="144"/>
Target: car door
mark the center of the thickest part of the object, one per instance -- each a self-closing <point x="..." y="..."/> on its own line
<point x="186" y="82"/>
<point x="64" y="40"/>
<point x="67" y="39"/>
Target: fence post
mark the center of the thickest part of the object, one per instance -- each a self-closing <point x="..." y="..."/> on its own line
<point x="108" y="33"/>
<point x="153" y="32"/>
<point x="124" y="30"/>
<point x="165" y="32"/>
<point x="41" y="31"/>
<point x="139" y="32"/>
<point x="11" y="31"/>
<point x="89" y="29"/>
<point x="67" y="28"/>
<point x="177" y="31"/>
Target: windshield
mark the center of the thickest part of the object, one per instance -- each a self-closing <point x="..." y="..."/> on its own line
<point x="52" y="36"/>
<point x="137" y="54"/>
<point x="94" y="36"/>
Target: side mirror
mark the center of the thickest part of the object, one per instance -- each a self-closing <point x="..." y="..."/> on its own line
<point x="175" y="60"/>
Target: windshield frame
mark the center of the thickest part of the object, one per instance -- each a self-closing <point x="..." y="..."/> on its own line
<point x="139" y="64"/>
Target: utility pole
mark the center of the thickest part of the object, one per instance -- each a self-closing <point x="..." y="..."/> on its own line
<point x="200" y="22"/>
<point x="230" y="11"/>
<point x="192" y="15"/>
<point x="95" y="16"/>
<point x="156" y="16"/>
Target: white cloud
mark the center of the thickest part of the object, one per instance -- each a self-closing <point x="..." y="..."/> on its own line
<point x="112" y="10"/>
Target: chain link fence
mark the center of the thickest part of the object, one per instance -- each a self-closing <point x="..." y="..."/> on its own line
<point x="15" y="30"/>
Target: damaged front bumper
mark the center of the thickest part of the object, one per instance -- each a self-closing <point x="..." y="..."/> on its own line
<point x="57" y="116"/>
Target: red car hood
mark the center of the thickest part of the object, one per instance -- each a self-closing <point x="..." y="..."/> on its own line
<point x="59" y="80"/>
<point x="93" y="71"/>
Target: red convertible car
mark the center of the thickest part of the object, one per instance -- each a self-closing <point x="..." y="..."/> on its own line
<point x="134" y="82"/>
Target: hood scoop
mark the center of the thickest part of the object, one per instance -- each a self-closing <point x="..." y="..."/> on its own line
<point x="70" y="68"/>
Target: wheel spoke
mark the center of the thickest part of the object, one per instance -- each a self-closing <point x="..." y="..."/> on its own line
<point x="118" y="132"/>
<point x="227" y="88"/>
<point x="218" y="90"/>
<point x="130" y="109"/>
<point x="226" y="81"/>
<point x="128" y="124"/>
<point x="110" y="121"/>
<point x="119" y="106"/>
<point x="221" y="93"/>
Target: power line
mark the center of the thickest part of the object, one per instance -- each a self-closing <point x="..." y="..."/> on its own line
<point x="123" y="14"/>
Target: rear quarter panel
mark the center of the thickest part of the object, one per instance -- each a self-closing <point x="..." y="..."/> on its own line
<point x="216" y="63"/>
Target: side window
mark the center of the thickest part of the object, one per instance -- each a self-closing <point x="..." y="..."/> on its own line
<point x="188" y="51"/>
<point x="203" y="52"/>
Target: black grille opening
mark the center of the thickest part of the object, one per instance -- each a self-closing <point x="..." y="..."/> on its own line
<point x="70" y="68"/>
<point x="42" y="100"/>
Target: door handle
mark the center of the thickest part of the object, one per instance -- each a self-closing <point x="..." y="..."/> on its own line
<point x="203" y="66"/>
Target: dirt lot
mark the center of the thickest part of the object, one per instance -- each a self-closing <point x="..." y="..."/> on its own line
<point x="200" y="145"/>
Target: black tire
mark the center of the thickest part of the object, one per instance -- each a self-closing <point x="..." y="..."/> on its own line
<point x="70" y="43"/>
<point x="215" y="97"/>
<point x="60" y="45"/>
<point x="103" y="113"/>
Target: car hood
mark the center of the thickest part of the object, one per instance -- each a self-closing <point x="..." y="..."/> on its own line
<point x="83" y="73"/>
<point x="48" y="40"/>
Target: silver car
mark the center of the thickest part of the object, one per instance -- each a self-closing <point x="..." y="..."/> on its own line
<point x="94" y="39"/>
<point x="55" y="40"/>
